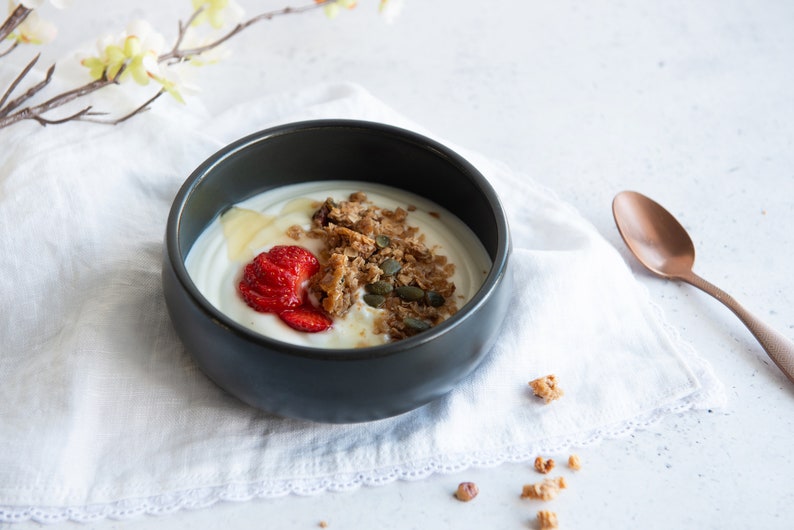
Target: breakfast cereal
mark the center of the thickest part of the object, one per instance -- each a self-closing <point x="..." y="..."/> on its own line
<point x="544" y="491"/>
<point x="544" y="465"/>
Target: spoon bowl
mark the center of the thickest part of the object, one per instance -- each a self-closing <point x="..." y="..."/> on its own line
<point x="654" y="236"/>
<point x="664" y="247"/>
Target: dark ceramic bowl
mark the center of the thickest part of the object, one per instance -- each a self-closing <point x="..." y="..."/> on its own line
<point x="331" y="385"/>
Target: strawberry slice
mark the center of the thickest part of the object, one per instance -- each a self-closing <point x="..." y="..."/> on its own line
<point x="263" y="283"/>
<point x="273" y="301"/>
<point x="274" y="282"/>
<point x="295" y="259"/>
<point x="262" y="270"/>
<point x="306" y="318"/>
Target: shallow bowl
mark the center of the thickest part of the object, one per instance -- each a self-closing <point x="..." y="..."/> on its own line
<point x="333" y="385"/>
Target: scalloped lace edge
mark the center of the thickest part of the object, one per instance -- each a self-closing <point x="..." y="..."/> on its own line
<point x="711" y="394"/>
<point x="205" y="497"/>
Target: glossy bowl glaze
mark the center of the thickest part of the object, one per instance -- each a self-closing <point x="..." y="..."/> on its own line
<point x="332" y="385"/>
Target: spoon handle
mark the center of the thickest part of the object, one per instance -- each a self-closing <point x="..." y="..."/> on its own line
<point x="779" y="347"/>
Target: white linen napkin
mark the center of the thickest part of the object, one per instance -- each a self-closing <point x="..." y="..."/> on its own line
<point x="103" y="413"/>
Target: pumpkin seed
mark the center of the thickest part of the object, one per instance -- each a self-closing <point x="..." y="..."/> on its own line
<point x="374" y="300"/>
<point x="416" y="324"/>
<point x="410" y="293"/>
<point x="382" y="241"/>
<point x="434" y="299"/>
<point x="390" y="267"/>
<point x="379" y="287"/>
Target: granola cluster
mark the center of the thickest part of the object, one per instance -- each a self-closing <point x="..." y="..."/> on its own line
<point x="375" y="248"/>
<point x="548" y="520"/>
<point x="546" y="387"/>
<point x="544" y="465"/>
<point x="546" y="490"/>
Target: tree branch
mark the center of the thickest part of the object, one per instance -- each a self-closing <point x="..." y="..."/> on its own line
<point x="177" y="55"/>
<point x="35" y="112"/>
<point x="16" y="82"/>
<point x="142" y="108"/>
<point x="11" y="113"/>
<point x="16" y="18"/>
<point x="74" y="117"/>
<point x="182" y="28"/>
<point x="29" y="93"/>
<point x="9" y="49"/>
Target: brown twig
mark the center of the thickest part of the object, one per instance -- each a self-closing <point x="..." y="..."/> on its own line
<point x="35" y="112"/>
<point x="177" y="55"/>
<point x="182" y="28"/>
<point x="16" y="82"/>
<point x="9" y="49"/>
<point x="74" y="117"/>
<point x="16" y="18"/>
<point x="142" y="108"/>
<point x="29" y="93"/>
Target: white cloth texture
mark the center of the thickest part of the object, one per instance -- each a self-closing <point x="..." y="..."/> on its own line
<point x="104" y="414"/>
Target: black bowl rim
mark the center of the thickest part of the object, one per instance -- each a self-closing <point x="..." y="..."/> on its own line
<point x="493" y="278"/>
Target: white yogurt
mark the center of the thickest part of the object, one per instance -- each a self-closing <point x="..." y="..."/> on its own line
<point x="255" y="225"/>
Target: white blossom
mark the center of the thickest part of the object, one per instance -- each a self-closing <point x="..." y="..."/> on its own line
<point x="391" y="9"/>
<point x="34" y="30"/>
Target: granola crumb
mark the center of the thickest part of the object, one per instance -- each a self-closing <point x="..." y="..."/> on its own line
<point x="466" y="491"/>
<point x="358" y="196"/>
<point x="574" y="462"/>
<point x="295" y="232"/>
<point x="547" y="388"/>
<point x="323" y="524"/>
<point x="547" y="520"/>
<point x="544" y="491"/>
<point x="544" y="466"/>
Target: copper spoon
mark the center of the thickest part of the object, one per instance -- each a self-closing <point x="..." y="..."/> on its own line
<point x="662" y="245"/>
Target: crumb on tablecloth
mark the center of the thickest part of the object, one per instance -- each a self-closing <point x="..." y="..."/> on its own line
<point x="547" y="520"/>
<point x="544" y="465"/>
<point x="574" y="462"/>
<point x="466" y="491"/>
<point x="547" y="388"/>
<point x="544" y="491"/>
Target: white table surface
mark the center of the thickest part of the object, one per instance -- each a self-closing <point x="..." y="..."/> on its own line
<point x="689" y="102"/>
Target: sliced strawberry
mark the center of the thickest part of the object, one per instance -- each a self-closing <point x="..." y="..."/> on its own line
<point x="274" y="281"/>
<point x="306" y="318"/>
<point x="273" y="303"/>
<point x="294" y="259"/>
<point x="277" y="293"/>
<point x="270" y="273"/>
